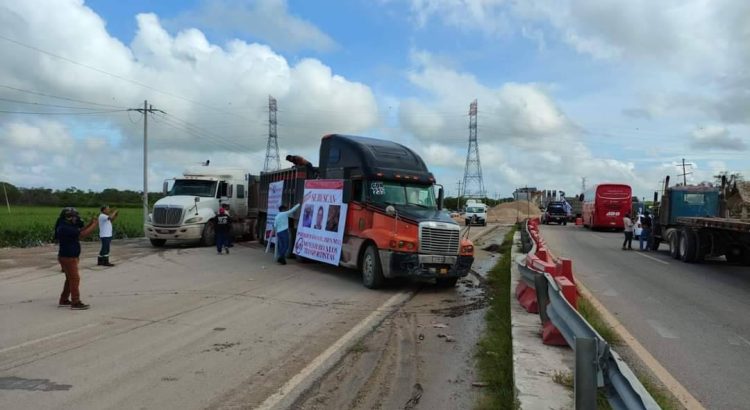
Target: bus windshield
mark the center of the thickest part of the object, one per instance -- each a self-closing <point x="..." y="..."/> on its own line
<point x="394" y="193"/>
<point x="193" y="187"/>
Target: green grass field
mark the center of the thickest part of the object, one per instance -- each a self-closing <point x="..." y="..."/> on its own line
<point x="34" y="226"/>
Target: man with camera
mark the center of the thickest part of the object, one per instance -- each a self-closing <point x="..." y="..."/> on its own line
<point x="69" y="233"/>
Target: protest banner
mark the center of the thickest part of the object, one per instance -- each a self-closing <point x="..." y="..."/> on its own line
<point x="275" y="191"/>
<point x="321" y="232"/>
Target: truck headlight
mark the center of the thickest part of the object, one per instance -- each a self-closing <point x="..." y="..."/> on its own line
<point x="467" y="249"/>
<point x="148" y="218"/>
<point x="194" y="219"/>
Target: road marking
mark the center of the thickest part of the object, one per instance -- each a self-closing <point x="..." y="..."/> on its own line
<point x="662" y="330"/>
<point x="330" y="356"/>
<point x="652" y="258"/>
<point x="598" y="237"/>
<point x="677" y="389"/>
<point x="44" y="339"/>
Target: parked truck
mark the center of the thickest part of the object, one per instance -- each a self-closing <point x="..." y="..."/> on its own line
<point x="192" y="201"/>
<point x="476" y="213"/>
<point x="691" y="220"/>
<point x="395" y="224"/>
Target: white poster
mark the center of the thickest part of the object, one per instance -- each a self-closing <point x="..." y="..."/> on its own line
<point x="275" y="191"/>
<point x="321" y="232"/>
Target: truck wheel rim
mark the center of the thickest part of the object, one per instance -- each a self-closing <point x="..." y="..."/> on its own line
<point x="368" y="267"/>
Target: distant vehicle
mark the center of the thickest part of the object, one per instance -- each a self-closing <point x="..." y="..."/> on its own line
<point x="555" y="212"/>
<point x="476" y="213"/>
<point x="187" y="210"/>
<point x="605" y="205"/>
<point x="689" y="220"/>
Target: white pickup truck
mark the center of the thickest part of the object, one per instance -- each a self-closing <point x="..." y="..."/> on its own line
<point x="476" y="213"/>
<point x="192" y="201"/>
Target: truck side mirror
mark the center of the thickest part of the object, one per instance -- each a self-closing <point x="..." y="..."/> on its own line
<point x="165" y="188"/>
<point x="390" y="210"/>
<point x="580" y="198"/>
<point x="441" y="198"/>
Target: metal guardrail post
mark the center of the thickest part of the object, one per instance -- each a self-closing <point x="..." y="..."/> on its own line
<point x="584" y="379"/>
<point x="542" y="298"/>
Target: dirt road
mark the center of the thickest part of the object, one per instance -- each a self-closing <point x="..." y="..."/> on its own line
<point x="422" y="356"/>
<point x="185" y="328"/>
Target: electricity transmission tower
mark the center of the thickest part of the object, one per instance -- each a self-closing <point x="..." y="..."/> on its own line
<point x="272" y="148"/>
<point x="473" y="183"/>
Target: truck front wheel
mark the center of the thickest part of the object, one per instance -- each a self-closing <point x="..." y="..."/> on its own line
<point x="158" y="242"/>
<point x="372" y="271"/>
<point x="209" y="235"/>
<point x="674" y="245"/>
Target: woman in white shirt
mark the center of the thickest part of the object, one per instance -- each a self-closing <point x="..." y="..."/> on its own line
<point x="628" y="223"/>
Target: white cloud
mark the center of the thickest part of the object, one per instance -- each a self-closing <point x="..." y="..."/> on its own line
<point x="487" y="16"/>
<point x="268" y="20"/>
<point x="715" y="137"/>
<point x="215" y="96"/>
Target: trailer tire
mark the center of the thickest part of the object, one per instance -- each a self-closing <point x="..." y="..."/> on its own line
<point x="674" y="245"/>
<point x="262" y="229"/>
<point x="158" y="243"/>
<point x="208" y="238"/>
<point x="372" y="271"/>
<point x="736" y="255"/>
<point x="688" y="245"/>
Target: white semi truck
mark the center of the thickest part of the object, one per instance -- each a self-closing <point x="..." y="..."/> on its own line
<point x="192" y="201"/>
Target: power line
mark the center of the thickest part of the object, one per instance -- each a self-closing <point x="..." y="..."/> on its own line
<point x="60" y="113"/>
<point x="46" y="105"/>
<point x="58" y="97"/>
<point x="119" y="77"/>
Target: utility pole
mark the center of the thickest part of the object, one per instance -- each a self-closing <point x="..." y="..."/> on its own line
<point x="147" y="109"/>
<point x="583" y="184"/>
<point x="684" y="172"/>
<point x="459" y="196"/>
<point x="7" y="203"/>
<point x="272" y="147"/>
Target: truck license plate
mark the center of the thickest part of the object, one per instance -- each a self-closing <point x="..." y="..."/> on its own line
<point x="438" y="259"/>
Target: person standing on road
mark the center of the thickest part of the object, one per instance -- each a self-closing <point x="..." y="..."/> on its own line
<point x="106" y="217"/>
<point x="628" y="223"/>
<point x="69" y="233"/>
<point x="281" y="226"/>
<point x="645" y="231"/>
<point x="223" y="228"/>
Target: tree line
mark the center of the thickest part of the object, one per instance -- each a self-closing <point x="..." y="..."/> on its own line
<point x="73" y="196"/>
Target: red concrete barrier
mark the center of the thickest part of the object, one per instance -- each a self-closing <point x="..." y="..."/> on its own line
<point x="568" y="290"/>
<point x="565" y="268"/>
<point x="551" y="336"/>
<point x="579" y="221"/>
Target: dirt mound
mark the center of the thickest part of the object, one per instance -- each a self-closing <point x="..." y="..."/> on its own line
<point x="508" y="212"/>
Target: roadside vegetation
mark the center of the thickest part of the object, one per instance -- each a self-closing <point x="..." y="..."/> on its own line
<point x="27" y="226"/>
<point x="495" y="349"/>
<point x="660" y="395"/>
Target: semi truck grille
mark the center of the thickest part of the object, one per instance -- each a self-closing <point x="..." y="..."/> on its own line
<point x="167" y="216"/>
<point x="439" y="241"/>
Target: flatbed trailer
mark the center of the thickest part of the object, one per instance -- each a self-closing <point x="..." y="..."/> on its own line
<point x="692" y="239"/>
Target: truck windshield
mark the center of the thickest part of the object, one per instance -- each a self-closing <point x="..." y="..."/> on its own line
<point x="475" y="209"/>
<point x="193" y="187"/>
<point x="394" y="193"/>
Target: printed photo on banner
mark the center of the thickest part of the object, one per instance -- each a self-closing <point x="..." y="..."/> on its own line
<point x="275" y="193"/>
<point x="323" y="221"/>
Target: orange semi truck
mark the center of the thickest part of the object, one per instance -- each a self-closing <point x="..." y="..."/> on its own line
<point x="395" y="224"/>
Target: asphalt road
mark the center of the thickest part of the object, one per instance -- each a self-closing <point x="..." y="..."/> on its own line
<point x="179" y="327"/>
<point x="693" y="318"/>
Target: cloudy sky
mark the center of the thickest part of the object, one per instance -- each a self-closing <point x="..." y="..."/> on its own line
<point x="606" y="90"/>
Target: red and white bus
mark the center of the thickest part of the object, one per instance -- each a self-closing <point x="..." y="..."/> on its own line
<point x="605" y="205"/>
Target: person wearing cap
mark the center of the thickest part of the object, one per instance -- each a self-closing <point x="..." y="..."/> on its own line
<point x="223" y="227"/>
<point x="106" y="217"/>
<point x="69" y="234"/>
